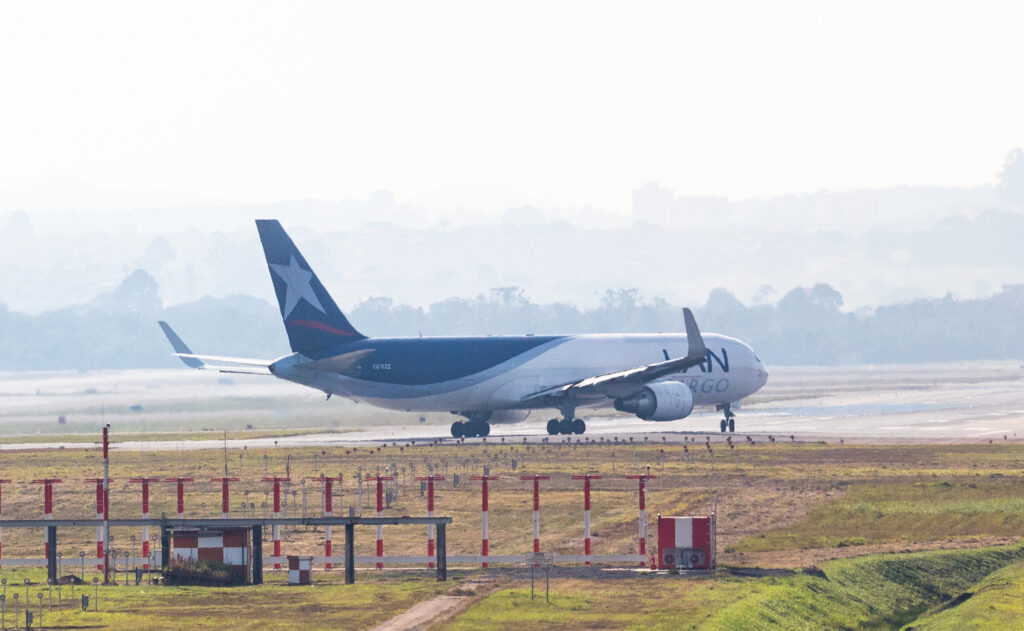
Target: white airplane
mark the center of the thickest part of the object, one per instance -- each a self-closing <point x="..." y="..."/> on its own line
<point x="657" y="377"/>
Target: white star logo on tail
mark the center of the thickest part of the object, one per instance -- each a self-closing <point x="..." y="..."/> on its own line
<point x="298" y="282"/>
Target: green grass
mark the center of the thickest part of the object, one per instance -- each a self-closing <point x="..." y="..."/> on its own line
<point x="369" y="602"/>
<point x="877" y="513"/>
<point x="994" y="603"/>
<point x="644" y="602"/>
<point x="875" y="592"/>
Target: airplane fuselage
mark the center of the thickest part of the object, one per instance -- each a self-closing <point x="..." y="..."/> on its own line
<point x="469" y="374"/>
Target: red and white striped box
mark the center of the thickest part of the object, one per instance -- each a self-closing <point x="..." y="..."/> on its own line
<point x="686" y="543"/>
<point x="228" y="546"/>
<point x="186" y="546"/>
<point x="299" y="570"/>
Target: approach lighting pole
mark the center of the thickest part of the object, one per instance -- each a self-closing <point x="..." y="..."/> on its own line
<point x="483" y="513"/>
<point x="536" y="507"/>
<point x="145" y="515"/>
<point x="100" y="538"/>
<point x="380" y="479"/>
<point x="224" y="499"/>
<point x="277" y="514"/>
<point x="642" y="479"/>
<point x="181" y="493"/>
<point x="2" y="483"/>
<point x="327" y="482"/>
<point x="430" y="479"/>
<point x="47" y="506"/>
<point x="586" y="510"/>
<point x="106" y="503"/>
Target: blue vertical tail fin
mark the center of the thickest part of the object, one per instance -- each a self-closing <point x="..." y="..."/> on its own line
<point x="313" y="321"/>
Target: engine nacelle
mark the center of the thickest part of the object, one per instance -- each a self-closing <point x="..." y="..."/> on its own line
<point x="659" y="401"/>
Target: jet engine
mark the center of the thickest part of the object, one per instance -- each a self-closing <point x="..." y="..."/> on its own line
<point x="659" y="401"/>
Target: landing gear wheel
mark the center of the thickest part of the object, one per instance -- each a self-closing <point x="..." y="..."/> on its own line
<point x="553" y="426"/>
<point x="565" y="426"/>
<point x="458" y="429"/>
<point x="723" y="425"/>
<point x="732" y="425"/>
<point x="483" y="429"/>
<point x="578" y="426"/>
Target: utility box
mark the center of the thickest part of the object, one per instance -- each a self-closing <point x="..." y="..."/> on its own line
<point x="686" y="543"/>
<point x="299" y="570"/>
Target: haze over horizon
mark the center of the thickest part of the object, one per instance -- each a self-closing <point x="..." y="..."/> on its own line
<point x="427" y="152"/>
<point x="120" y="105"/>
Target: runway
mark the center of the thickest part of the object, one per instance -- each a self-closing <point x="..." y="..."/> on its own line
<point x="900" y="403"/>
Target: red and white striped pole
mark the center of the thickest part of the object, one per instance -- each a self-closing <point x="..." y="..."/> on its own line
<point x="380" y="513"/>
<point x="586" y="510"/>
<point x="106" y="504"/>
<point x="328" y="507"/>
<point x="99" y="515"/>
<point x="484" y="543"/>
<point x="277" y="514"/>
<point x="181" y="493"/>
<point x="47" y="507"/>
<point x="145" y="515"/>
<point x="224" y="495"/>
<point x="2" y="483"/>
<point x="536" y="507"/>
<point x="429" y="479"/>
<point x="643" y="478"/>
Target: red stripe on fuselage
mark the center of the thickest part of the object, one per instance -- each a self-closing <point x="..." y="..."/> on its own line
<point x="320" y="326"/>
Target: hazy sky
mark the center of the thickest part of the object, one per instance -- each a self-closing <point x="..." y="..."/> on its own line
<point x="115" y="105"/>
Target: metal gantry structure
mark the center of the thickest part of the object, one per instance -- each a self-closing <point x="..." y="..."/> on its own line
<point x="256" y="525"/>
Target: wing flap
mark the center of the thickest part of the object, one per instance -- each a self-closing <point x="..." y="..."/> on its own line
<point x="607" y="383"/>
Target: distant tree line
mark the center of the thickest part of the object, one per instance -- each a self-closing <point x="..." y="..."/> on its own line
<point x="806" y="326"/>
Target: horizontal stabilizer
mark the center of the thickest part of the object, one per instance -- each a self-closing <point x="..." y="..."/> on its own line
<point x="238" y="370"/>
<point x="243" y="361"/>
<point x="241" y="365"/>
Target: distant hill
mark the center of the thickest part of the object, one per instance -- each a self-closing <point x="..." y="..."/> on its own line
<point x="117" y="329"/>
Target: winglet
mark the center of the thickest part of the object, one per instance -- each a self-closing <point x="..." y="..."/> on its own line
<point x="697" y="351"/>
<point x="180" y="347"/>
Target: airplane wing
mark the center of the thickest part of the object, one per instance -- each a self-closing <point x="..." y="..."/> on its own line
<point x="339" y="363"/>
<point x="625" y="382"/>
<point x="240" y="365"/>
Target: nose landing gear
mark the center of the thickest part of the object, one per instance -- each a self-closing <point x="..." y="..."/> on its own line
<point x="729" y="422"/>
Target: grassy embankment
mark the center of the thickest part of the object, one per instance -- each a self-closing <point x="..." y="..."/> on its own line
<point x="994" y="603"/>
<point x="875" y="592"/>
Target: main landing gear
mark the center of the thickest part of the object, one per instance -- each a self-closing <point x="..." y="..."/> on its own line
<point x="474" y="425"/>
<point x="567" y="425"/>
<point x="729" y="422"/>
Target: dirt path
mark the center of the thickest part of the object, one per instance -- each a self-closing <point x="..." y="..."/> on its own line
<point x="440" y="608"/>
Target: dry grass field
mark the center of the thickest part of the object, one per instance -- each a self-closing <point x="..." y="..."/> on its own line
<point x="781" y="504"/>
<point x="879" y="496"/>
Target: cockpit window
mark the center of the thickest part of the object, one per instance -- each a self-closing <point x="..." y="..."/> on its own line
<point x="756" y="358"/>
